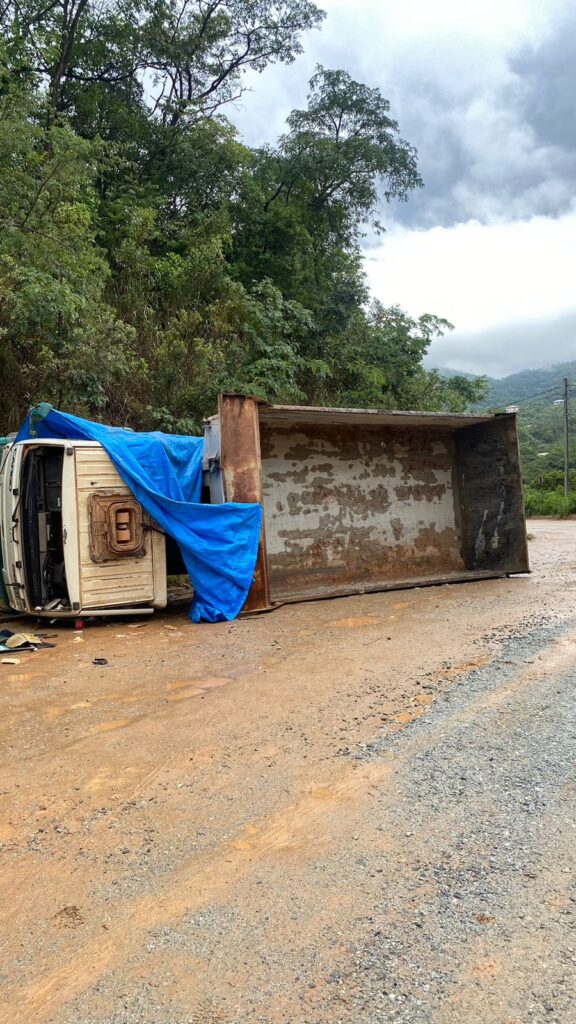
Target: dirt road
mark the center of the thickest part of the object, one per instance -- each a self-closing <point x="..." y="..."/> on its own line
<point x="359" y="810"/>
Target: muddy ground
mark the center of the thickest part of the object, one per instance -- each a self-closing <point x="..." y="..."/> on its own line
<point x="357" y="810"/>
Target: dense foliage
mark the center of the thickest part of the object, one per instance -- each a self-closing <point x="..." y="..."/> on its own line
<point x="538" y="502"/>
<point x="148" y="259"/>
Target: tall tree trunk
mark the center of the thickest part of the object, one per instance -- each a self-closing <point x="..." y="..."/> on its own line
<point x="71" y="15"/>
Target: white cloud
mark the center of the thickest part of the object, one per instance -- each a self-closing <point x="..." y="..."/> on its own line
<point x="510" y="347"/>
<point x="479" y="87"/>
<point x="447" y="68"/>
<point x="505" y="281"/>
<point x="479" y="275"/>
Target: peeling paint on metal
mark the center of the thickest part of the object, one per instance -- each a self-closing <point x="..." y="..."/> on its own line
<point x="358" y="501"/>
<point x="364" y="500"/>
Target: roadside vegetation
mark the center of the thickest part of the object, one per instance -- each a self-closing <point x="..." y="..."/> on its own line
<point x="549" y="503"/>
<point x="545" y="495"/>
<point x="150" y="259"/>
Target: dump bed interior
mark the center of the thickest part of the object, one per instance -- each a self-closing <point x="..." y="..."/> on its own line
<point x="353" y="502"/>
<point x="358" y="500"/>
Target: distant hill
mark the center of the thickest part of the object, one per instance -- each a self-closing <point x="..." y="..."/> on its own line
<point x="520" y="387"/>
<point x="540" y="421"/>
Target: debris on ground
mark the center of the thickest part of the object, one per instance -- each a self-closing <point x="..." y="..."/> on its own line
<point x="10" y="641"/>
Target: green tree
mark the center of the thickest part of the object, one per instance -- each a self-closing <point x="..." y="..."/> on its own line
<point x="377" y="363"/>
<point x="58" y="335"/>
<point x="148" y="259"/>
<point x="192" y="52"/>
<point x="344" y="152"/>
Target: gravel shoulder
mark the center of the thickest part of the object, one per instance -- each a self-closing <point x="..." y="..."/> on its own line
<point x="358" y="810"/>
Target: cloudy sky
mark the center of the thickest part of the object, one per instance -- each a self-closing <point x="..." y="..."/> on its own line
<point x="485" y="90"/>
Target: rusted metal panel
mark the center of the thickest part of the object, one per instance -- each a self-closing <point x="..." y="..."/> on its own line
<point x="492" y="506"/>
<point x="241" y="467"/>
<point x="294" y="414"/>
<point x="358" y="500"/>
<point x="346" y="504"/>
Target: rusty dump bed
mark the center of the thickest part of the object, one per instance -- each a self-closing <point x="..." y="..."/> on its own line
<point x="361" y="500"/>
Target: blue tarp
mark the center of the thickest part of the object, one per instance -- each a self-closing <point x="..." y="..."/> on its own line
<point x="219" y="543"/>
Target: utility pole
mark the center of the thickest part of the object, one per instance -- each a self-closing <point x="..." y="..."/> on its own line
<point x="566" y="441"/>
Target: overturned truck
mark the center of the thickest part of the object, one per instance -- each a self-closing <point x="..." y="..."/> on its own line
<point x="330" y="502"/>
<point x="364" y="500"/>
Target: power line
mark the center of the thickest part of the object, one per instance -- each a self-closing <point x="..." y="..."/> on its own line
<point x="539" y="394"/>
<point x="558" y="388"/>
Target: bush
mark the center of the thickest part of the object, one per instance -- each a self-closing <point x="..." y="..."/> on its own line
<point x="553" y="480"/>
<point x="549" y="503"/>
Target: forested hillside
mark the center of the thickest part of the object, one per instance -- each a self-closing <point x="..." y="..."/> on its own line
<point x="522" y="386"/>
<point x="538" y="394"/>
<point x="149" y="259"/>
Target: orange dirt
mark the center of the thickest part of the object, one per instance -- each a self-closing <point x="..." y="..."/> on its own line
<point x="200" y="776"/>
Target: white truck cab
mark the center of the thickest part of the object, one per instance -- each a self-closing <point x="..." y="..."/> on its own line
<point x="74" y="539"/>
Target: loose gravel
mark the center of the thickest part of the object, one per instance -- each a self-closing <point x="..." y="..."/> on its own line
<point x="485" y="801"/>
